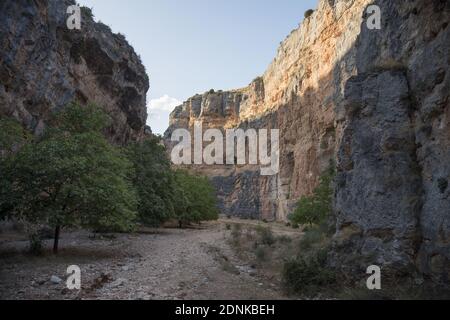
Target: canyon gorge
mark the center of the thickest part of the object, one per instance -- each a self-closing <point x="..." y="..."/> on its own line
<point x="374" y="103"/>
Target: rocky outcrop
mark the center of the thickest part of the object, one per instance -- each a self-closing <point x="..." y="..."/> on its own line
<point x="44" y="66"/>
<point x="392" y="198"/>
<point x="299" y="94"/>
<point x="376" y="101"/>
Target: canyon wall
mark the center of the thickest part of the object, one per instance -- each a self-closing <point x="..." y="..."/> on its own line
<point x="300" y="94"/>
<point x="392" y="196"/>
<point x="374" y="101"/>
<point x="44" y="66"/>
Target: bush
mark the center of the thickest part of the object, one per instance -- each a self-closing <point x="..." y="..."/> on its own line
<point x="316" y="208"/>
<point x="87" y="12"/>
<point x="12" y="135"/>
<point x="35" y="244"/>
<point x="284" y="239"/>
<point x="307" y="276"/>
<point x="236" y="231"/>
<point x="260" y="253"/>
<point x="266" y="235"/>
<point x="308" y="13"/>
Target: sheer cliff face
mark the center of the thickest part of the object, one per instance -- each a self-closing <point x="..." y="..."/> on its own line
<point x="393" y="199"/>
<point x="298" y="94"/>
<point x="44" y="66"/>
<point x="375" y="101"/>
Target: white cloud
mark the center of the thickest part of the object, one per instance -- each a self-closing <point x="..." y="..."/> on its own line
<point x="158" y="112"/>
<point x="164" y="103"/>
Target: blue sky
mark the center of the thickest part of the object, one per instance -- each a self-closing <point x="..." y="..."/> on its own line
<point x="191" y="46"/>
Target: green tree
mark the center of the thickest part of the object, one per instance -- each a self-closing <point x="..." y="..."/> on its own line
<point x="315" y="209"/>
<point x="195" y="199"/>
<point x="12" y="135"/>
<point x="71" y="177"/>
<point x="153" y="180"/>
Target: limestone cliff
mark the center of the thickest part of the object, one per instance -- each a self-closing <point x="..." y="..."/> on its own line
<point x="376" y="101"/>
<point x="44" y="66"/>
<point x="299" y="93"/>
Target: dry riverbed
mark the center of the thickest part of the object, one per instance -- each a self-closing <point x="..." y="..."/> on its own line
<point x="199" y="263"/>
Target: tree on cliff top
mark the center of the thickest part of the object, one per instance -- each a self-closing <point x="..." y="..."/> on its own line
<point x="70" y="177"/>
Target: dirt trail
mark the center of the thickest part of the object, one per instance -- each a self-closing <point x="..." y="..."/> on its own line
<point x="161" y="264"/>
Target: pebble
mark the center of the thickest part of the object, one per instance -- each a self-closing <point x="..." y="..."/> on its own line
<point x="55" y="280"/>
<point x="119" y="282"/>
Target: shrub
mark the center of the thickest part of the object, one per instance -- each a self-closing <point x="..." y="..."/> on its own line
<point x="266" y="235"/>
<point x="35" y="244"/>
<point x="307" y="276"/>
<point x="308" y="13"/>
<point x="316" y="208"/>
<point x="284" y="239"/>
<point x="12" y="135"/>
<point x="87" y="12"/>
<point x="312" y="237"/>
<point x="236" y="231"/>
<point x="260" y="253"/>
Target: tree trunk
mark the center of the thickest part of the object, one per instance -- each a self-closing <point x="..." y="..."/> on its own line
<point x="180" y="224"/>
<point x="56" y="240"/>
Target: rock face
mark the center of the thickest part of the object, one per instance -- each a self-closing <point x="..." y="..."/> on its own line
<point x="393" y="200"/>
<point x="299" y="94"/>
<point x="44" y="66"/>
<point x="377" y="102"/>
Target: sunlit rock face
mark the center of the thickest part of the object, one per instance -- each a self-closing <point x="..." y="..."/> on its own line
<point x="374" y="101"/>
<point x="300" y="94"/>
<point x="44" y="66"/>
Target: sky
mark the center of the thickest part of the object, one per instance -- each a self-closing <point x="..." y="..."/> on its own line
<point x="192" y="46"/>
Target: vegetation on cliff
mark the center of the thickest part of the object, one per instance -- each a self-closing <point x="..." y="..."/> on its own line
<point x="316" y="208"/>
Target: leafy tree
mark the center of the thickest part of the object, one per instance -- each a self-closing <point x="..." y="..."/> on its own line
<point x="70" y="177"/>
<point x="12" y="135"/>
<point x="153" y="180"/>
<point x="194" y="199"/>
<point x="315" y="209"/>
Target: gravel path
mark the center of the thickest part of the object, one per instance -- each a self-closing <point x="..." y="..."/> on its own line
<point x="159" y="264"/>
